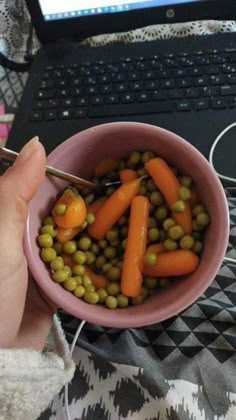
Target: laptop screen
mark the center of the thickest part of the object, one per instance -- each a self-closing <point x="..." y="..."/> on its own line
<point x="66" y="9"/>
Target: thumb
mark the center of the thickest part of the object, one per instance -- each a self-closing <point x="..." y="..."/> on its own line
<point x="18" y="185"/>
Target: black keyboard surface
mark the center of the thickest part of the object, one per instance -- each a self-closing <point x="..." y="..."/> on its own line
<point x="181" y="82"/>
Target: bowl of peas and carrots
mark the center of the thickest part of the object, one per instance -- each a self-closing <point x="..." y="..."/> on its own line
<point x="135" y="253"/>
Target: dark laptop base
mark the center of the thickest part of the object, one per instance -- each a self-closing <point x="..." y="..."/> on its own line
<point x="198" y="127"/>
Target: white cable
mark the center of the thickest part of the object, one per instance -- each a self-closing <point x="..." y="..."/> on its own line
<point x="218" y="138"/>
<point x="79" y="329"/>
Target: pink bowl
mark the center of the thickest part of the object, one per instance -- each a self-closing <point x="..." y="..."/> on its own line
<point x="79" y="155"/>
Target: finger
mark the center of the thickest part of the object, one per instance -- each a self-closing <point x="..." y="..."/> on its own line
<point x="17" y="186"/>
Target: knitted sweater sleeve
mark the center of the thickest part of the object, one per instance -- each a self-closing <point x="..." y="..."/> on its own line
<point x="29" y="380"/>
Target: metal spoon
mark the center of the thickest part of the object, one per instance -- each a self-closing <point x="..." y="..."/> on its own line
<point x="11" y="156"/>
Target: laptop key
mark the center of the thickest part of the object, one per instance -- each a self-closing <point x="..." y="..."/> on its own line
<point x="200" y="81"/>
<point x="136" y="86"/>
<point x="127" y="98"/>
<point x="105" y="78"/>
<point x="143" y="96"/>
<point x="63" y="93"/>
<point x="232" y="103"/>
<point x="152" y="84"/>
<point x="212" y="70"/>
<point x="47" y="84"/>
<point x="120" y="87"/>
<point x="231" y="78"/>
<point x="36" y="116"/>
<point x="232" y="57"/>
<point x="217" y="79"/>
<point x="183" y="106"/>
<point x="96" y="100"/>
<point x="228" y="90"/>
<point x="117" y="77"/>
<point x="158" y="95"/>
<point x="83" y="101"/>
<point x="132" y="109"/>
<point x="218" y="103"/>
<point x="192" y="92"/>
<point x="65" y="114"/>
<point x="80" y="113"/>
<point x="168" y="84"/>
<point x="92" y="90"/>
<point x="176" y="93"/>
<point x="134" y="76"/>
<point x="46" y="94"/>
<point x="201" y="104"/>
<point x="112" y="99"/>
<point x="67" y="103"/>
<point x="184" y="83"/>
<point x="51" y="103"/>
<point x="39" y="105"/>
<point x="50" y="115"/>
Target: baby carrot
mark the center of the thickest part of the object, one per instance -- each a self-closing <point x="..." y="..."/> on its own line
<point x="173" y="263"/>
<point x="64" y="235"/>
<point x="169" y="185"/>
<point x="105" y="166"/>
<point x="99" y="281"/>
<point x="75" y="210"/>
<point x="96" y="205"/>
<point x="127" y="175"/>
<point x="113" y="208"/>
<point x="132" y="278"/>
<point x="156" y="249"/>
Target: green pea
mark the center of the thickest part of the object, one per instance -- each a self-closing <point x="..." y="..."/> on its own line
<point x="156" y="198"/>
<point x="79" y="257"/>
<point x="60" y="276"/>
<point x="150" y="259"/>
<point x="68" y="270"/>
<point x="178" y="207"/>
<point x="186" y="181"/>
<point x="48" y="221"/>
<point x="115" y="243"/>
<point x="196" y="227"/>
<point x="60" y="209"/>
<point x="45" y="240"/>
<point x="184" y="193"/>
<point x="78" y="270"/>
<point x="91" y="297"/>
<point x="198" y="210"/>
<point x="95" y="249"/>
<point x="146" y="156"/>
<point x="162" y="235"/>
<point x="110" y="252"/>
<point x="113" y="289"/>
<point x="135" y="158"/>
<point x="90" y="218"/>
<point x="114" y="274"/>
<point x="111" y="302"/>
<point x="57" y="264"/>
<point x="161" y="213"/>
<point x="102" y="243"/>
<point x="197" y="235"/>
<point x="164" y="282"/>
<point x="141" y="172"/>
<point x="100" y="261"/>
<point x="143" y="190"/>
<point x="89" y="199"/>
<point x="49" y="229"/>
<point x="90" y="257"/>
<point x="168" y="223"/>
<point x="112" y="234"/>
<point x="152" y="223"/>
<point x="69" y="247"/>
<point x="110" y="191"/>
<point x="124" y="231"/>
<point x="48" y="254"/>
<point x="151" y="186"/>
<point x="176" y="232"/>
<point x="90" y="288"/>
<point x="78" y="280"/>
<point x="70" y="284"/>
<point x="170" y="245"/>
<point x="79" y="291"/>
<point x="197" y="247"/>
<point x="144" y="292"/>
<point x="86" y="281"/>
<point x="84" y="243"/>
<point x="203" y="219"/>
<point x="150" y="282"/>
<point x="153" y="234"/>
<point x="186" y="242"/>
<point x="137" y="300"/>
<point x="122" y="300"/>
<point x="106" y="267"/>
<point x="102" y="293"/>
<point x="58" y="247"/>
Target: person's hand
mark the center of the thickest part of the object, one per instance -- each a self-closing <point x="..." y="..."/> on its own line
<point x="25" y="314"/>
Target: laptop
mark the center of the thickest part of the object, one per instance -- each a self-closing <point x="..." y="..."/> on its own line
<point x="186" y="85"/>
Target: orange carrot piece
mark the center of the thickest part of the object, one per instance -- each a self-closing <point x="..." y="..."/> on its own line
<point x="194" y="199"/>
<point x="96" y="205"/>
<point x="169" y="185"/>
<point x="99" y="281"/>
<point x="75" y="213"/>
<point x="64" y="235"/>
<point x="156" y="249"/>
<point x="107" y="165"/>
<point x="127" y="175"/>
<point x="173" y="263"/>
<point x="132" y="278"/>
<point x="113" y="208"/>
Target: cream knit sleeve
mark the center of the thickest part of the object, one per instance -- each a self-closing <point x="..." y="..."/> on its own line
<point x="29" y="380"/>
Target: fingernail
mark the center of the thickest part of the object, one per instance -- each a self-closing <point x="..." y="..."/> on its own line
<point x="28" y="149"/>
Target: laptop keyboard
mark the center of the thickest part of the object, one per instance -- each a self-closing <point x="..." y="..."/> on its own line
<point x="181" y="82"/>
